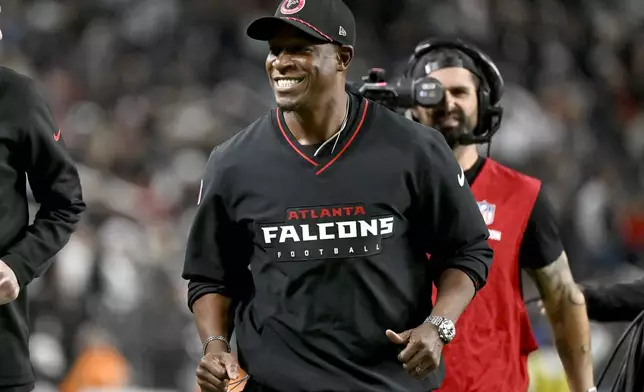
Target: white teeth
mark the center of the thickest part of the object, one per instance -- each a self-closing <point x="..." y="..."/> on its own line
<point x="286" y="83"/>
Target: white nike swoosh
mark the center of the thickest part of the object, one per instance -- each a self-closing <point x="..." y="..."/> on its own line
<point x="200" y="193"/>
<point x="461" y="178"/>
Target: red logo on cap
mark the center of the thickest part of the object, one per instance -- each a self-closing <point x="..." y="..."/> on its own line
<point x="292" y="6"/>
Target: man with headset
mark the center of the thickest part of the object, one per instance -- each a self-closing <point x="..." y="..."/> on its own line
<point x="495" y="339"/>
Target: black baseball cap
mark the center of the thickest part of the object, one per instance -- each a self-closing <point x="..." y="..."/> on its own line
<point x="327" y="20"/>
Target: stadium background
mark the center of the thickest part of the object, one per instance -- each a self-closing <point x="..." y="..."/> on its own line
<point x="143" y="89"/>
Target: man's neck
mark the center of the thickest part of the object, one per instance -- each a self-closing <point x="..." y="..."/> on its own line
<point x="466" y="156"/>
<point x="317" y="124"/>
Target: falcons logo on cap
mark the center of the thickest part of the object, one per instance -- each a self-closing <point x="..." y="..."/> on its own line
<point x="292" y="6"/>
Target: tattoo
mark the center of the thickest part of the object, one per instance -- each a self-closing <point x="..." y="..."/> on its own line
<point x="561" y="344"/>
<point x="555" y="282"/>
<point x="557" y="289"/>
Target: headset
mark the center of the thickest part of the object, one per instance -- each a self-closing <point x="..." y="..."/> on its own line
<point x="489" y="93"/>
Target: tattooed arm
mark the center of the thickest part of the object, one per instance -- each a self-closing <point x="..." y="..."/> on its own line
<point x="566" y="309"/>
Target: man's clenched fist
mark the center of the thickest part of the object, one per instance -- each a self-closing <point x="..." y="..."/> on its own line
<point x="216" y="370"/>
<point x="422" y="352"/>
<point x="9" y="288"/>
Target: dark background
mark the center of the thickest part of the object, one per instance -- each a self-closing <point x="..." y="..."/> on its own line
<point x="143" y="89"/>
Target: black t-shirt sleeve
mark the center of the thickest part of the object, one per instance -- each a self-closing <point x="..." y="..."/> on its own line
<point x="215" y="257"/>
<point x="541" y="244"/>
<point x="54" y="180"/>
<point x="456" y="233"/>
<point x="615" y="302"/>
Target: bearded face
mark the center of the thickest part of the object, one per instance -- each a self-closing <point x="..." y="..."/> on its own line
<point x="458" y="113"/>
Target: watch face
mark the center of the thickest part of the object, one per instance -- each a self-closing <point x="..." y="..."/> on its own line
<point x="447" y="331"/>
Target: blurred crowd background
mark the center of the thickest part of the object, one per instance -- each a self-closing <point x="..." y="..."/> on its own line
<point x="144" y="89"/>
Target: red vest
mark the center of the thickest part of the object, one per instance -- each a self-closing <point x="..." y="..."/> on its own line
<point x="493" y="335"/>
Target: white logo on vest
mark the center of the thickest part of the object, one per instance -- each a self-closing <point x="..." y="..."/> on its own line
<point x="487" y="210"/>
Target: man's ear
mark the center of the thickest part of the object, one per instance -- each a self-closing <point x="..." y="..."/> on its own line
<point x="345" y="55"/>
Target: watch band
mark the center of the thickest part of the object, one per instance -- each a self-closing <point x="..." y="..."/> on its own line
<point x="211" y="339"/>
<point x="434" y="320"/>
<point x="444" y="326"/>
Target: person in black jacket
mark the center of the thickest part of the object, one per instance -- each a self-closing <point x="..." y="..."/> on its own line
<point x="614" y="301"/>
<point x="31" y="146"/>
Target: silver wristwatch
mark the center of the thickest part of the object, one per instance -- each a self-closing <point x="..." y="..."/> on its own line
<point x="446" y="328"/>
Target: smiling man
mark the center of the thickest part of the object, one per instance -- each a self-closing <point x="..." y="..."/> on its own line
<point x="315" y="223"/>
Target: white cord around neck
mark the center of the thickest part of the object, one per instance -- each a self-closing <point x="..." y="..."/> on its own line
<point x="336" y="135"/>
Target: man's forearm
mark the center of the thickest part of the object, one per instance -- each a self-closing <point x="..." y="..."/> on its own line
<point x="211" y="316"/>
<point x="32" y="254"/>
<point x="455" y="290"/>
<point x="572" y="338"/>
<point x="566" y="309"/>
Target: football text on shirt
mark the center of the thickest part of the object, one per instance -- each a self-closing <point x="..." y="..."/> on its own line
<point x="326" y="232"/>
